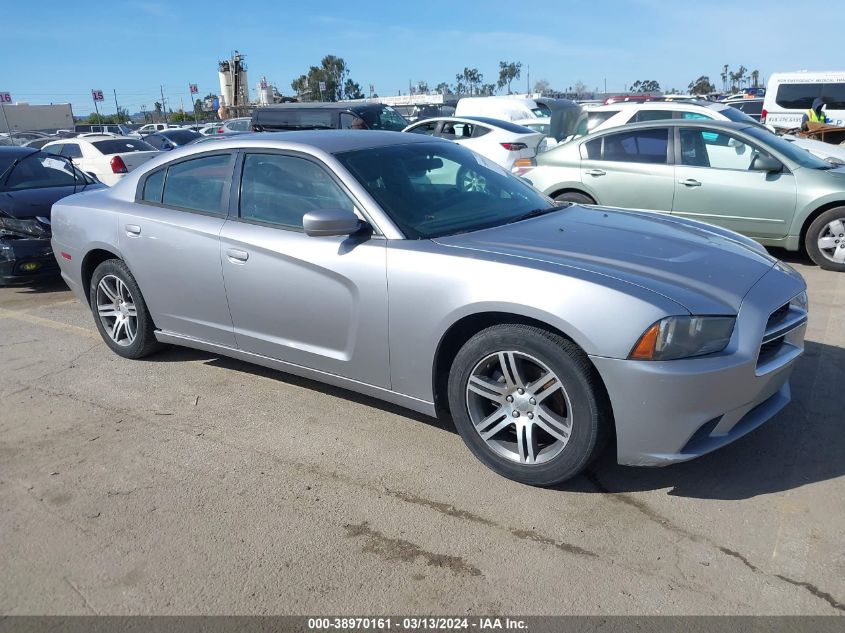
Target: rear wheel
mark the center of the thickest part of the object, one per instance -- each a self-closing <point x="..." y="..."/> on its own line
<point x="574" y="197"/>
<point x="528" y="404"/>
<point x="825" y="240"/>
<point x="120" y="311"/>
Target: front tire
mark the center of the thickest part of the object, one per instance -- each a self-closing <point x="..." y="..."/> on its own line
<point x="574" y="197"/>
<point x="528" y="403"/>
<point x="825" y="240"/>
<point x="120" y="312"/>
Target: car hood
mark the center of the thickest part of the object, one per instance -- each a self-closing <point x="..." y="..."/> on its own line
<point x="705" y="269"/>
<point x="31" y="203"/>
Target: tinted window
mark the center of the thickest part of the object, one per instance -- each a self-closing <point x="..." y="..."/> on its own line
<point x="834" y="96"/>
<point x="71" y="150"/>
<point x="594" y="119"/>
<point x="797" y="96"/>
<point x="198" y="184"/>
<point x="295" y="119"/>
<point x="41" y="170"/>
<point x="428" y="128"/>
<point x="653" y="115"/>
<point x="639" y="146"/>
<point x="383" y="118"/>
<point x="281" y="189"/>
<point x="591" y="150"/>
<point x="180" y="137"/>
<point x="351" y="122"/>
<point x="153" y="186"/>
<point x="436" y="189"/>
<point x="123" y="145"/>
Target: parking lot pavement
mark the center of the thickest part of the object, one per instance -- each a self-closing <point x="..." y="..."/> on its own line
<point x="189" y="483"/>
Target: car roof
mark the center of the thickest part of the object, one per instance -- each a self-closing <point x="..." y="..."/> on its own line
<point x="321" y="105"/>
<point x="705" y="123"/>
<point x="16" y="151"/>
<point x="329" y="141"/>
<point x="662" y="105"/>
<point x="509" y="126"/>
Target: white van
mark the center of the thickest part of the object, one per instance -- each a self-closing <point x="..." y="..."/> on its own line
<point x="790" y="95"/>
<point x="501" y="108"/>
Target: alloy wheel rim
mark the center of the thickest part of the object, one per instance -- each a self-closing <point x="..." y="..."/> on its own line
<point x="519" y="407"/>
<point x="831" y="241"/>
<point x="473" y="181"/>
<point x="116" y="310"/>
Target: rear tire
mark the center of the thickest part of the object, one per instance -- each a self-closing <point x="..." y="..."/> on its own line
<point x="528" y="403"/>
<point x="120" y="312"/>
<point x="574" y="197"/>
<point x="825" y="240"/>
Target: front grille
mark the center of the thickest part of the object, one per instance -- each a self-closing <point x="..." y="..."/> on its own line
<point x="778" y="326"/>
<point x="777" y="316"/>
<point x="769" y="350"/>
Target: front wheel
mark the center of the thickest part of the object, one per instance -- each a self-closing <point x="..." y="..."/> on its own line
<point x="120" y="312"/>
<point x="825" y="240"/>
<point x="528" y="404"/>
<point x="574" y="197"/>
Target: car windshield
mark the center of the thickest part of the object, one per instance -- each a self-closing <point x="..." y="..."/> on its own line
<point x="39" y="170"/>
<point x="435" y="189"/>
<point x="792" y="152"/>
<point x="122" y="146"/>
<point x="180" y="137"/>
<point x="734" y="114"/>
<point x="383" y="118"/>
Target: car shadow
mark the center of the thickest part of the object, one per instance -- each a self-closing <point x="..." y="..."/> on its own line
<point x="803" y="444"/>
<point x="791" y="257"/>
<point x="43" y="287"/>
<point x="184" y="354"/>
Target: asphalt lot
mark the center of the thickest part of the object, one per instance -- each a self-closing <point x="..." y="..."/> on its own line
<point x="189" y="483"/>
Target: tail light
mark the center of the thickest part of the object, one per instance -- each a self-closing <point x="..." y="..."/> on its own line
<point x="763" y="115"/>
<point x="514" y="147"/>
<point x="523" y="165"/>
<point x="117" y="165"/>
<point x="255" y="128"/>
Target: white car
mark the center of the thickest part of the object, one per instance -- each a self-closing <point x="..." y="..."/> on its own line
<point x="241" y="124"/>
<point x="826" y="151"/>
<point x="152" y="128"/>
<point x="502" y="142"/>
<point x="616" y="114"/>
<point x="108" y="158"/>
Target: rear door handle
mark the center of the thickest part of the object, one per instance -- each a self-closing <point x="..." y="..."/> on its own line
<point x="596" y="172"/>
<point x="237" y="255"/>
<point x="133" y="230"/>
<point x="689" y="182"/>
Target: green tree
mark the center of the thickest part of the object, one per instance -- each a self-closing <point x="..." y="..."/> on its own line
<point x="351" y="90"/>
<point x="701" y="86"/>
<point x="442" y="88"/>
<point x="332" y="72"/>
<point x="508" y="71"/>
<point x="472" y="78"/>
<point x="646" y="85"/>
<point x="755" y="78"/>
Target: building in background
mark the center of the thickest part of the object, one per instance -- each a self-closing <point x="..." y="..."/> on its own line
<point x="23" y="117"/>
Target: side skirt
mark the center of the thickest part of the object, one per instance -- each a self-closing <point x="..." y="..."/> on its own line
<point x="415" y="404"/>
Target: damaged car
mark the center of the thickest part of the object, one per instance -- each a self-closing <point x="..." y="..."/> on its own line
<point x="30" y="182"/>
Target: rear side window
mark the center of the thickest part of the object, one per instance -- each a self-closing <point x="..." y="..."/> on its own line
<point x="638" y="146"/>
<point x="653" y="115"/>
<point x="71" y="150"/>
<point x="594" y="119"/>
<point x="591" y="150"/>
<point x="198" y="184"/>
<point x="797" y="96"/>
<point x="153" y="186"/>
<point x="425" y="128"/>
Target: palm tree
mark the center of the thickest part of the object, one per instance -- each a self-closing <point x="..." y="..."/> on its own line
<point x="755" y="78"/>
<point x="725" y="78"/>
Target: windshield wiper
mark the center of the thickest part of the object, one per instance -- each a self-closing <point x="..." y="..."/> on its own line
<point x="535" y="213"/>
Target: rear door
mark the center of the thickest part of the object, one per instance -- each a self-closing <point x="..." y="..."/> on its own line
<point x="317" y="302"/>
<point x="717" y="183"/>
<point x="630" y="169"/>
<point x="170" y="238"/>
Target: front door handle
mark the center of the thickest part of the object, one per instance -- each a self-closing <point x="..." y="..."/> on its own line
<point x="133" y="230"/>
<point x="596" y="172"/>
<point x="689" y="182"/>
<point x="237" y="255"/>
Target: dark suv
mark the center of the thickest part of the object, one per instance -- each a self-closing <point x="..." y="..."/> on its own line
<point x="327" y="116"/>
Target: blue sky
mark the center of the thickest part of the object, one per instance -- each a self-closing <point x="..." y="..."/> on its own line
<point x="64" y="50"/>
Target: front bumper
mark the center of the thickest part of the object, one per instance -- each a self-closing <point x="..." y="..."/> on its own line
<point x="674" y="411"/>
<point x="24" y="261"/>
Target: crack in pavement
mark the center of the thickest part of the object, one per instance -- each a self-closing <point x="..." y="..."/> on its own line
<point x="697" y="538"/>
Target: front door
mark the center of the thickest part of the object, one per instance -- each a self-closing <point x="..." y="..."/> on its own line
<point x="717" y="183"/>
<point x="630" y="169"/>
<point x="317" y="302"/>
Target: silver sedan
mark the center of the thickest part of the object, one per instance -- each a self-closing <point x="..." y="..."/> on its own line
<point x="356" y="259"/>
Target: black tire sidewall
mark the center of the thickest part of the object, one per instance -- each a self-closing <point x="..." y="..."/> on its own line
<point x="145" y="341"/>
<point x="571" y="366"/>
<point x="811" y="239"/>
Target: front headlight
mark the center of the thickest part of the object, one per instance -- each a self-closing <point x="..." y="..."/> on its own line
<point x="29" y="227"/>
<point x="683" y="337"/>
<point x="801" y="301"/>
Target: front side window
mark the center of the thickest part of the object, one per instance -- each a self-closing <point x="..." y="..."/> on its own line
<point x="717" y="150"/>
<point x="279" y="190"/>
<point x="198" y="184"/>
<point x="638" y="146"/>
<point x="428" y="128"/>
<point x="434" y="189"/>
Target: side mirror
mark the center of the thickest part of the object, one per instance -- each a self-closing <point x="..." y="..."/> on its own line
<point x="330" y="222"/>
<point x="764" y="162"/>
